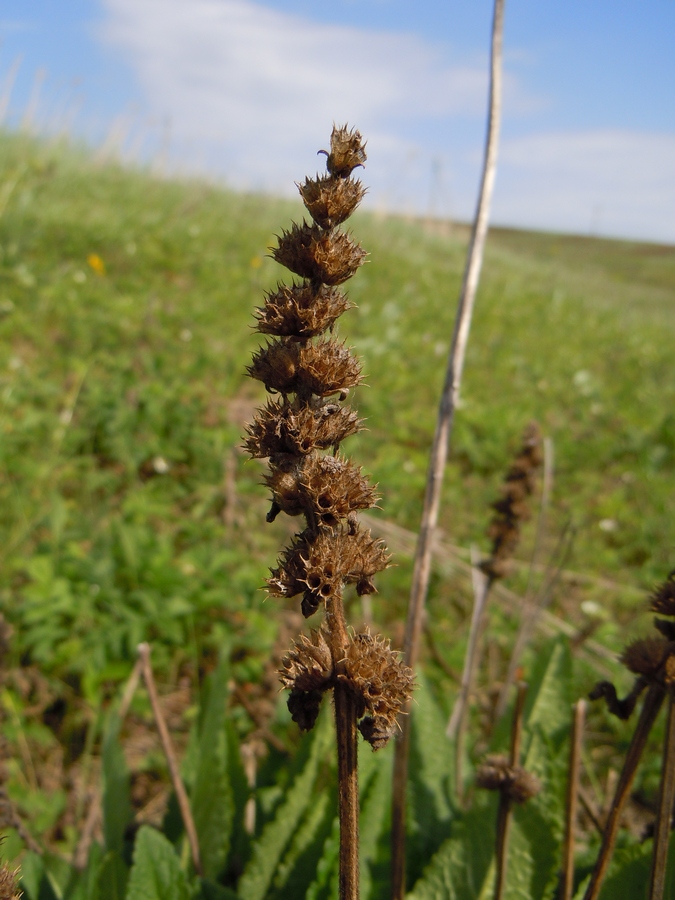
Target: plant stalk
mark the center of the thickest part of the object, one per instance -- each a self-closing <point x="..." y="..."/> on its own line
<point x="665" y="813"/>
<point x="650" y="710"/>
<point x="458" y="720"/>
<point x="348" y="791"/>
<point x="505" y="802"/>
<point x="439" y="452"/>
<point x="169" y="752"/>
<point x="572" y="799"/>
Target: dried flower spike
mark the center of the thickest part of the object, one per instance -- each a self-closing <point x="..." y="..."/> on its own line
<point x="313" y="375"/>
<point x="513" y="508"/>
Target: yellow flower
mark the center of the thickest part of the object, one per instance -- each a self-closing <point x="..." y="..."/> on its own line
<point x="96" y="263"/>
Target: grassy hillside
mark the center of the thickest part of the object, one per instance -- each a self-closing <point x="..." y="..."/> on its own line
<point x="126" y="325"/>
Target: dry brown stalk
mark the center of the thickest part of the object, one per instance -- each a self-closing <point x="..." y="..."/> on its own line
<point x="572" y="799"/>
<point x="301" y="434"/>
<point x="169" y="752"/>
<point x="505" y="799"/>
<point x="439" y="452"/>
<point x="510" y="510"/>
<point x="665" y="811"/>
<point x="652" y="661"/>
<point x="650" y="710"/>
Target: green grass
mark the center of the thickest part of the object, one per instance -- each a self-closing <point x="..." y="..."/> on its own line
<point x="103" y="371"/>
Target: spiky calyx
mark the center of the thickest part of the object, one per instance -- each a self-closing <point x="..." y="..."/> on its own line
<point x="312" y="253"/>
<point x="347" y="152"/>
<point x="331" y="201"/>
<point x="322" y="369"/>
<point x="326" y="489"/>
<point x="319" y="565"/>
<point x="296" y="430"/>
<point x="373" y="673"/>
<point x="300" y="310"/>
<point x="382" y="683"/>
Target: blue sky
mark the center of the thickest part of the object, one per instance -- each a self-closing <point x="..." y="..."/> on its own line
<point x="246" y="92"/>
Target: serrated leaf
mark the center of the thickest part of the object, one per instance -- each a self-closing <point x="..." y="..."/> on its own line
<point x="277" y="834"/>
<point x="211" y="890"/>
<point x="241" y="792"/>
<point x="325" y="884"/>
<point x="430" y="780"/>
<point x="462" y="869"/>
<point x="156" y="873"/>
<point x="548" y="702"/>
<point x="110" y="880"/>
<point x="211" y="800"/>
<point x="117" y="811"/>
<point x="375" y="808"/>
<point x="32" y="873"/>
<point x="630" y="870"/>
<point x="297" y="869"/>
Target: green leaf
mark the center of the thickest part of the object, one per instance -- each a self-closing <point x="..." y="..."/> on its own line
<point x="325" y="884"/>
<point x="297" y="870"/>
<point x="277" y="835"/>
<point x="117" y="812"/>
<point x="241" y="792"/>
<point x="156" y="873"/>
<point x="375" y="772"/>
<point x="211" y="801"/>
<point x="463" y="868"/>
<point x="211" y="890"/>
<point x="430" y="780"/>
<point x="32" y="873"/>
<point x="548" y="701"/>
<point x="111" y="877"/>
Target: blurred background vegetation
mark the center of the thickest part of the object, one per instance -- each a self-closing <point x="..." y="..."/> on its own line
<point x="129" y="513"/>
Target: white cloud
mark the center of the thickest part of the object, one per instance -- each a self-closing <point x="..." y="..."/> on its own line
<point x="610" y="182"/>
<point x="250" y="93"/>
<point x="257" y="88"/>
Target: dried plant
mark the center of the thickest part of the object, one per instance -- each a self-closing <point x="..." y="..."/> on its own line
<point x="300" y="431"/>
<point x="510" y="511"/>
<point x="652" y="661"/>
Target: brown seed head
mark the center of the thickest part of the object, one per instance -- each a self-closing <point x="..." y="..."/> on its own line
<point x="318" y="565"/>
<point x="496" y="774"/>
<point x="646" y="656"/>
<point x="304" y="708"/>
<point x="347" y="151"/>
<point x="331" y="200"/>
<point x="307" y="666"/>
<point x="382" y="683"/>
<point x="324" y="368"/>
<point x="335" y="488"/>
<point x="297" y="429"/>
<point x="300" y="310"/>
<point x="512" y="508"/>
<point x="312" y="253"/>
<point x="325" y="488"/>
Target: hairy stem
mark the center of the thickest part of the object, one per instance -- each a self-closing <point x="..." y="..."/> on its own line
<point x="348" y="791"/>
<point x="422" y="568"/>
